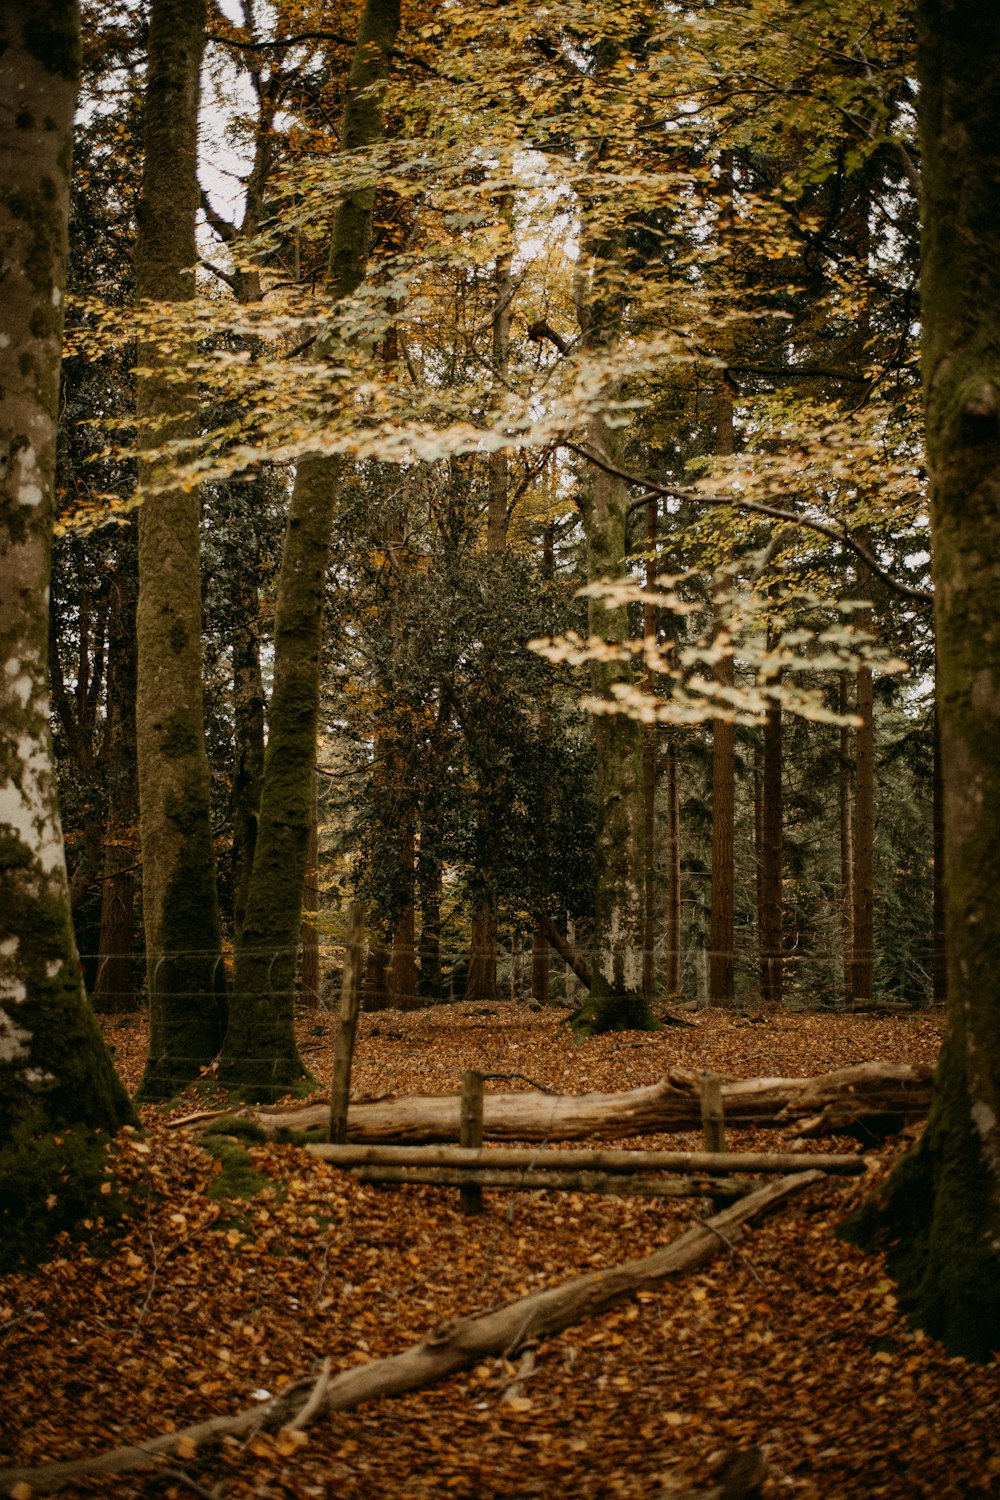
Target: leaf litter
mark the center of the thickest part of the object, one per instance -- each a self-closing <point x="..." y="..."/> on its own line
<point x="791" y="1342"/>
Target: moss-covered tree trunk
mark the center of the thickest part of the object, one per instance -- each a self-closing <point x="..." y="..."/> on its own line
<point x="260" y="1057"/>
<point x="941" y="1210"/>
<point x="770" y="906"/>
<point x="617" y="1001"/>
<point x="180" y="904"/>
<point x="57" y="1085"/>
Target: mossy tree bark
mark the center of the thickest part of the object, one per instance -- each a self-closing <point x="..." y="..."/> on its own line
<point x="55" y="1074"/>
<point x="617" y="999"/>
<point x="180" y="903"/>
<point x="260" y="1057"/>
<point x="940" y="1211"/>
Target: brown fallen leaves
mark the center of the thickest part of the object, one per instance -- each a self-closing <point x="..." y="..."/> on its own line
<point x="793" y="1343"/>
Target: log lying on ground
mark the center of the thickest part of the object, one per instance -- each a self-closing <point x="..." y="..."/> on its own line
<point x="531" y="1158"/>
<point x="609" y="1184"/>
<point x="878" y="1097"/>
<point x="454" y="1345"/>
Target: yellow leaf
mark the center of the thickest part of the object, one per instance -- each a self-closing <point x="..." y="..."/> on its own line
<point x="186" y="1447"/>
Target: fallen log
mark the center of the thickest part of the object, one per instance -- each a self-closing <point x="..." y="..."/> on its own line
<point x="878" y="1097"/>
<point x="531" y="1158"/>
<point x="454" y="1345"/>
<point x="609" y="1184"/>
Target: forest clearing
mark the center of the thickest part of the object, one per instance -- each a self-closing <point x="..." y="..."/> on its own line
<point x="792" y="1343"/>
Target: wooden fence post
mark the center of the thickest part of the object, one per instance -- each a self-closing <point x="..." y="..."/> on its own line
<point x="347" y="1025"/>
<point x="470" y="1133"/>
<point x="713" y="1123"/>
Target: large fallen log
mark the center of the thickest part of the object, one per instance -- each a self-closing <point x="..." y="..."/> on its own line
<point x="533" y="1159"/>
<point x="872" y="1098"/>
<point x="454" y="1345"/>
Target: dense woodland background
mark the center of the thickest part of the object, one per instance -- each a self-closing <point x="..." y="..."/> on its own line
<point x="685" y="241"/>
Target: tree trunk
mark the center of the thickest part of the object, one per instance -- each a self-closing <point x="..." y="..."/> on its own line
<point x="863" y="957"/>
<point x="846" y="849"/>
<point x="939" y="953"/>
<point x="429" y="876"/>
<point x="260" y="1057"/>
<point x="539" y="965"/>
<point x="673" y="956"/>
<point x="482" y="979"/>
<point x="57" y="1085"/>
<point x="309" y="931"/>
<point x="114" y="987"/>
<point x="180" y="904"/>
<point x="248" y="742"/>
<point x="721" y="976"/>
<point x="941" y="1208"/>
<point x="770" y="906"/>
<point x="403" y="965"/>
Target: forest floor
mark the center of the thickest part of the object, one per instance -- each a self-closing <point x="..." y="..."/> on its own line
<point x="793" y="1342"/>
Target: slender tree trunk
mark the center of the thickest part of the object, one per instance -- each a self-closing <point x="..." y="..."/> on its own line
<point x="863" y="959"/>
<point x="941" y="1209"/>
<point x="770" y="906"/>
<point x="721" y="939"/>
<point x="672" y="975"/>
<point x="180" y="904"/>
<point x="844" y="780"/>
<point x="650" y="743"/>
<point x="403" y="966"/>
<point x="56" y="1079"/>
<point x="248" y="736"/>
<point x="539" y="966"/>
<point x="429" y="877"/>
<point x="260" y="1057"/>
<point x="114" y="986"/>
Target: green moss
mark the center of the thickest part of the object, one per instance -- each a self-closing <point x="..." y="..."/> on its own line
<point x="237" y="1129"/>
<point x="238" y="1179"/>
<point x="603" y="1013"/>
<point x="52" y="37"/>
<point x="179" y="737"/>
<point x="932" y="1220"/>
<point x="53" y="1183"/>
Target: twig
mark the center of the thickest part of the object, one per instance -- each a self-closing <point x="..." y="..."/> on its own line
<point x="314" y="1400"/>
<point x="733" y="1249"/>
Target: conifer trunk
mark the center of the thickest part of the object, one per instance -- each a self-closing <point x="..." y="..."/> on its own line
<point x="55" y="1075"/>
<point x="721" y="937"/>
<point x="180" y="904"/>
<point x="941" y="1210"/>
<point x="260" y="1057"/>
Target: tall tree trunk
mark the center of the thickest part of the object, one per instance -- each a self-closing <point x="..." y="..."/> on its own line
<point x="309" y="931"/>
<point x="673" y="957"/>
<point x="481" y="983"/>
<point x="180" y="904"/>
<point x="941" y="1209"/>
<point x="248" y="741"/>
<point x="939" y="941"/>
<point x="721" y="975"/>
<point x="650" y="771"/>
<point x="770" y="905"/>
<point x="863" y="958"/>
<point x="403" y="965"/>
<point x="260" y="1057"/>
<point x="721" y="936"/>
<point x="56" y="1080"/>
<point x="429" y="880"/>
<point x="846" y="808"/>
<point x="114" y="988"/>
<point x="539" y="965"/>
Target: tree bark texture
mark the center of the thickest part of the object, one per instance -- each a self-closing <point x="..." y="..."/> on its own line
<point x="863" y="957"/>
<point x="185" y="973"/>
<point x="721" y="974"/>
<point x="770" y="904"/>
<point x="846" y="801"/>
<point x="260" y="1056"/>
<point x="941" y="1209"/>
<point x="54" y="1070"/>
